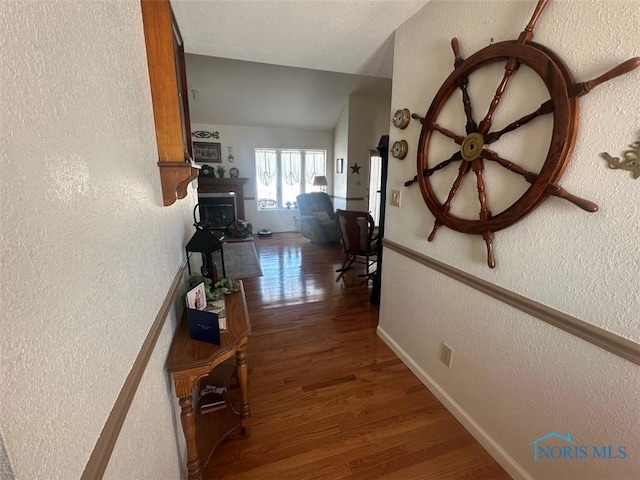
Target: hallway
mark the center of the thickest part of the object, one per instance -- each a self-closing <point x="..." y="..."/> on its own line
<point x="328" y="398"/>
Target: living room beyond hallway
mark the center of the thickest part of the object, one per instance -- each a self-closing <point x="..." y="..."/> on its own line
<point x="328" y="398"/>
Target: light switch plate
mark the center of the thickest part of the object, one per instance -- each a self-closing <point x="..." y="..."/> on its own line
<point x="446" y="354"/>
<point x="395" y="197"/>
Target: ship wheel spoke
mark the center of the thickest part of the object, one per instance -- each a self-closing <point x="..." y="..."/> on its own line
<point x="551" y="189"/>
<point x="493" y="156"/>
<point x="434" y="126"/>
<point x="446" y="206"/>
<point x="447" y="133"/>
<point x="463" y="83"/>
<point x="478" y="169"/>
<point x="485" y="214"/>
<point x="545" y="108"/>
<point x="558" y="191"/>
<point x="454" y="158"/>
<point x="427" y="172"/>
<point x="511" y="66"/>
<point x="488" y="237"/>
<point x="582" y="88"/>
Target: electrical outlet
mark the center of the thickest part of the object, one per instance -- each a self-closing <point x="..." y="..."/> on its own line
<point x="395" y="197"/>
<point x="445" y="354"/>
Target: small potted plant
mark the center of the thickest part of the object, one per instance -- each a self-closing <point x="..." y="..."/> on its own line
<point x="220" y="171"/>
<point x="214" y="291"/>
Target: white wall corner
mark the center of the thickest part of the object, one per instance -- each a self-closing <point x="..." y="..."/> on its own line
<point x="6" y="467"/>
<point x="495" y="450"/>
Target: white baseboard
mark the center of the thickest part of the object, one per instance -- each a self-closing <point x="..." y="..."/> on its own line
<point x="495" y="450"/>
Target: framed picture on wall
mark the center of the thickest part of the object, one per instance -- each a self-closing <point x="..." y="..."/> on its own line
<point x="339" y="165"/>
<point x="207" y="152"/>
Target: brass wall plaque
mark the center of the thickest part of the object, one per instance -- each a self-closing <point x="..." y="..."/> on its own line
<point x="630" y="162"/>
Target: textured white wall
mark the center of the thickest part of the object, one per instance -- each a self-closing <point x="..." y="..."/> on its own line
<point x="88" y="250"/>
<point x="341" y="149"/>
<point x="361" y="124"/>
<point x="516" y="377"/>
<point x="244" y="141"/>
<point x="149" y="421"/>
<point x="368" y="121"/>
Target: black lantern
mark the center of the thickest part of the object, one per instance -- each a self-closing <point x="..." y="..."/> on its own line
<point x="206" y="243"/>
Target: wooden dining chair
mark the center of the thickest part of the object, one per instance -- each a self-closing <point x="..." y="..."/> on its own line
<point x="359" y="241"/>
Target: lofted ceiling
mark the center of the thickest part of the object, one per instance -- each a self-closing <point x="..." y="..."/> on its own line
<point x="286" y="63"/>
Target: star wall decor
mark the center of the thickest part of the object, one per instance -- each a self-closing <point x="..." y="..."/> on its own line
<point x="355" y="168"/>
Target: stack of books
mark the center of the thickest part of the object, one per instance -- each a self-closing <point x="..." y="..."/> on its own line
<point x="212" y="398"/>
<point x="217" y="307"/>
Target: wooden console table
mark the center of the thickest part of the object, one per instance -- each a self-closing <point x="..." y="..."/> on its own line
<point x="190" y="361"/>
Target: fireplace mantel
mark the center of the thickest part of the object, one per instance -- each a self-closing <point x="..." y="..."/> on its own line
<point x="223" y="185"/>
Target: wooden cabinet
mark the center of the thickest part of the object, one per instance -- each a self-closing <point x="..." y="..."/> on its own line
<point x="168" y="80"/>
<point x="192" y="363"/>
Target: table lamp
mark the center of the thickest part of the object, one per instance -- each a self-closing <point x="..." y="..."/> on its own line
<point x="320" y="181"/>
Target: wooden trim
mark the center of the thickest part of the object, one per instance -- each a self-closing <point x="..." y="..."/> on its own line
<point x="168" y="84"/>
<point x="350" y="199"/>
<point x="612" y="342"/>
<point x="105" y="444"/>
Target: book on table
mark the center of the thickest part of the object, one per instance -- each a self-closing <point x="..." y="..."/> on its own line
<point x="218" y="307"/>
<point x="212" y="398"/>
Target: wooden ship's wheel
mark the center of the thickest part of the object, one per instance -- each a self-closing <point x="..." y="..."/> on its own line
<point x="477" y="145"/>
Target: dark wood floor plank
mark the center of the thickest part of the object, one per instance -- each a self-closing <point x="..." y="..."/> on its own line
<point x="466" y="455"/>
<point x="329" y="399"/>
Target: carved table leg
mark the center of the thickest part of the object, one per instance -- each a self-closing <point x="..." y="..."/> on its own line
<point x="189" y="428"/>
<point x="241" y="363"/>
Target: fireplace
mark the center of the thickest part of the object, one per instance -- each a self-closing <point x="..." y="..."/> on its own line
<point x="217" y="209"/>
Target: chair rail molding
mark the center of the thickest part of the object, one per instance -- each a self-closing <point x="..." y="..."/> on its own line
<point x="612" y="342"/>
<point x="99" y="459"/>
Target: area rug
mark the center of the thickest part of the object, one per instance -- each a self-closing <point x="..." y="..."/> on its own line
<point x="240" y="260"/>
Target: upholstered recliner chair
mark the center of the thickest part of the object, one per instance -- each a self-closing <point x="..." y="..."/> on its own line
<point x="317" y="217"/>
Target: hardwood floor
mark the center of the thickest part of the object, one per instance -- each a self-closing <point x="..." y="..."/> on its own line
<point x="329" y="400"/>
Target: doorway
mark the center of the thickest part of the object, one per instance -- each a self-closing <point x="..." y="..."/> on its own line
<point x="375" y="184"/>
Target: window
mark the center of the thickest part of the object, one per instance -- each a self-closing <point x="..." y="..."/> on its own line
<point x="283" y="174"/>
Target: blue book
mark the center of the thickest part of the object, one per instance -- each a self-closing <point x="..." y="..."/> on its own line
<point x="203" y="326"/>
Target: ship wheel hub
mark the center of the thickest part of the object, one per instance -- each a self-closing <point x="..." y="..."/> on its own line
<point x="472" y="146"/>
